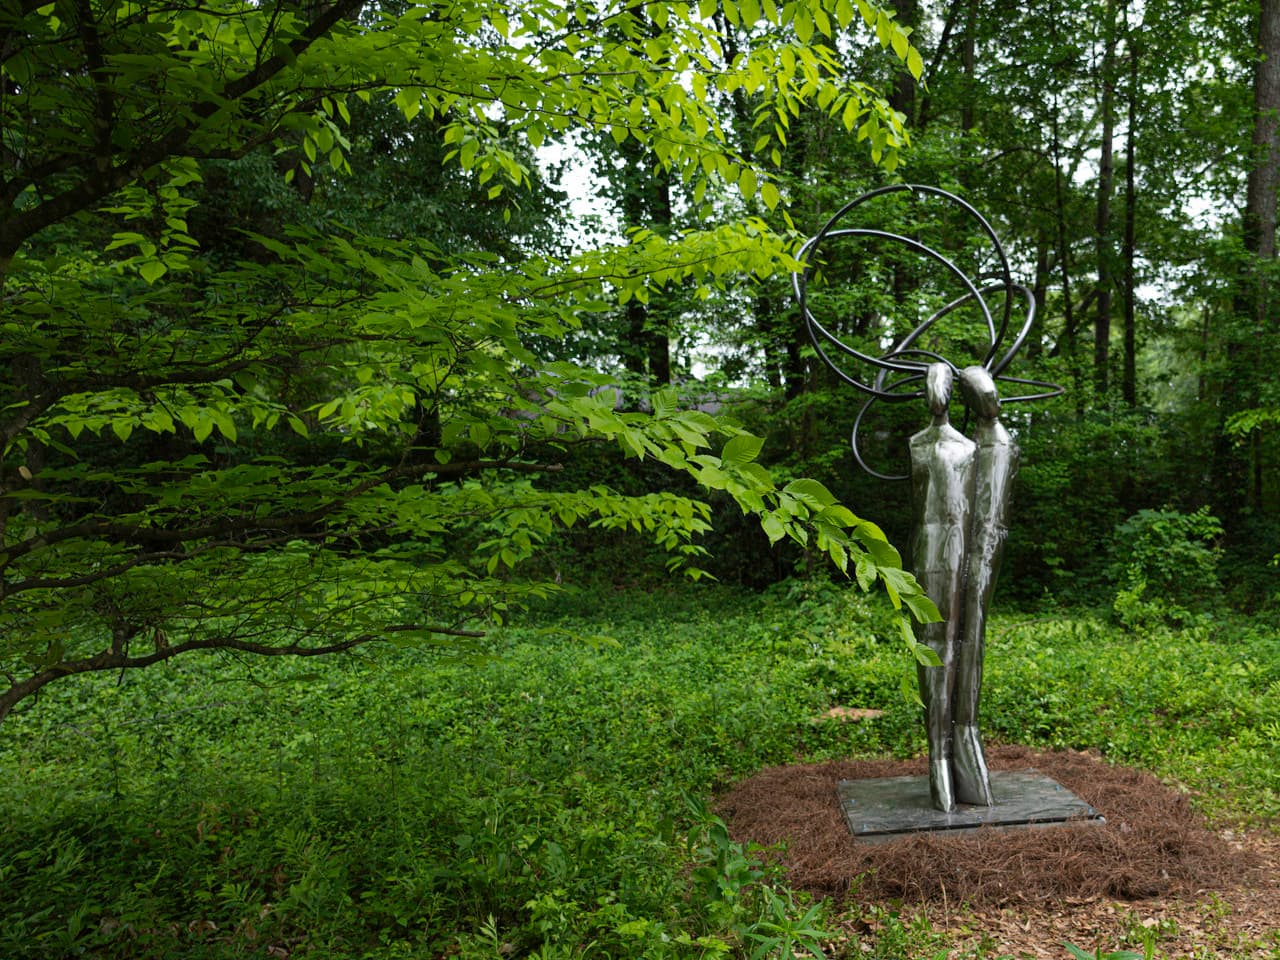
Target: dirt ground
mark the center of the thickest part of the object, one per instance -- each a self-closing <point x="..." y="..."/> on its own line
<point x="1154" y="872"/>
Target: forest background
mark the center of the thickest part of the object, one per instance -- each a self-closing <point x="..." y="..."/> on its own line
<point x="308" y="351"/>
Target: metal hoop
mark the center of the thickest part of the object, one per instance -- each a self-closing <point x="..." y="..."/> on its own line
<point x="900" y="359"/>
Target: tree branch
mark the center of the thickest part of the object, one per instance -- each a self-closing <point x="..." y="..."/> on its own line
<point x="120" y="660"/>
<point x="159" y="539"/>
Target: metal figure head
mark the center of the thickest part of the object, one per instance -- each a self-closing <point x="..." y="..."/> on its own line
<point x="937" y="386"/>
<point x="979" y="391"/>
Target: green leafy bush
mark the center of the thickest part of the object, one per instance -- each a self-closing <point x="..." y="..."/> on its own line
<point x="1166" y="566"/>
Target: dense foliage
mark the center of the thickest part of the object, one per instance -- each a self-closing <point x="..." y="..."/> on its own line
<point x="255" y="403"/>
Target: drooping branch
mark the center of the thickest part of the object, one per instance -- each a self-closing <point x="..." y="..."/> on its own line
<point x="156" y="544"/>
<point x="119" y="659"/>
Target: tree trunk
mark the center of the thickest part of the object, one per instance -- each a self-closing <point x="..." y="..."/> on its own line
<point x="968" y="120"/>
<point x="1255" y="322"/>
<point x="646" y="203"/>
<point x="1264" y="171"/>
<point x="1067" y="341"/>
<point x="659" y="334"/>
<point x="1102" y="225"/>
<point x="1129" y="376"/>
<point x="1260" y="214"/>
<point x="903" y="96"/>
<point x="1039" y="293"/>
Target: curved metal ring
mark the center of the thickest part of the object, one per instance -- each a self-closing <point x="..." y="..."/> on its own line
<point x="857" y="425"/>
<point x="897" y="360"/>
<point x="814" y="327"/>
<point x="800" y="279"/>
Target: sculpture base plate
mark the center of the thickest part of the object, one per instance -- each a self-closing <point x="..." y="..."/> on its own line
<point x="887" y="808"/>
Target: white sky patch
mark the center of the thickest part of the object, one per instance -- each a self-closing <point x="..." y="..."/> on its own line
<point x="591" y="219"/>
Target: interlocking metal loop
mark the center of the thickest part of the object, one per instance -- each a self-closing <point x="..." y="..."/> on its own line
<point x="874" y="376"/>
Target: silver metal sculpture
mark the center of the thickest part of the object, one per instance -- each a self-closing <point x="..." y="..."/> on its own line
<point x="960" y="487"/>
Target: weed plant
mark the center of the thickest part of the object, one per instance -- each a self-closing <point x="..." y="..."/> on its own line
<point x="547" y="795"/>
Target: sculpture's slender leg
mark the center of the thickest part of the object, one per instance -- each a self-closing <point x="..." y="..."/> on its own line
<point x="937" y="690"/>
<point x="972" y="780"/>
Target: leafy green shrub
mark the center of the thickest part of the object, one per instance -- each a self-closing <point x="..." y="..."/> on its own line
<point x="1166" y="566"/>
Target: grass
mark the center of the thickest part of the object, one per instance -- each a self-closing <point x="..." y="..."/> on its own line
<point x="546" y="795"/>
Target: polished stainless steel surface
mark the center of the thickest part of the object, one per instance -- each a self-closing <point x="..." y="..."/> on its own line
<point x="942" y="482"/>
<point x="997" y="462"/>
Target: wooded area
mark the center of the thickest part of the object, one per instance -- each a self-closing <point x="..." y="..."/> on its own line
<point x="312" y="348"/>
<point x="306" y="349"/>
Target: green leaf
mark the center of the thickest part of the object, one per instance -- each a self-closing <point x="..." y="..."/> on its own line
<point x="811" y="492"/>
<point x="152" y="270"/>
<point x="914" y="63"/>
<point x="884" y="553"/>
<point x="865" y="571"/>
<point x="839" y="515"/>
<point x="741" y="449"/>
<point x="900" y="582"/>
<point x="773" y="528"/>
<point x="226" y="426"/>
<point x="900" y="44"/>
<point x="803" y="24"/>
<point x="665" y="402"/>
<point x="921" y="607"/>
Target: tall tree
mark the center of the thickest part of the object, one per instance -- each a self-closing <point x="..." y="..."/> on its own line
<point x="1249" y="344"/>
<point x="1129" y="251"/>
<point x="1104" y="251"/>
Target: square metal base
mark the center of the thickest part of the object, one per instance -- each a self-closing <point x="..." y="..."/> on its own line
<point x="886" y="808"/>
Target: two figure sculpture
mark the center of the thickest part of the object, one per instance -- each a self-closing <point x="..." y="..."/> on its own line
<point x="960" y="486"/>
<point x="960" y="496"/>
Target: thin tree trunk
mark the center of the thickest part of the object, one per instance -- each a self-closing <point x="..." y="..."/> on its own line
<point x="1129" y="376"/>
<point x="968" y="119"/>
<point x="658" y="335"/>
<point x="939" y="56"/>
<point x="1067" y="341"/>
<point x="1039" y="292"/>
<point x="1102" y="226"/>
<point x="1254" y="306"/>
<point x="903" y="96"/>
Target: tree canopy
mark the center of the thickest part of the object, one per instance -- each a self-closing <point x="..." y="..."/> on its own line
<point x="250" y="408"/>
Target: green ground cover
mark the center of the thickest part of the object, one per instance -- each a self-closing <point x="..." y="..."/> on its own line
<point x="546" y="795"/>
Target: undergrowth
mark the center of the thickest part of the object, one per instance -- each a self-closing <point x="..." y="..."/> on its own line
<point x="547" y="795"/>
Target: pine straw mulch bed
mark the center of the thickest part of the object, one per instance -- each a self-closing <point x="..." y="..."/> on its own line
<point x="1155" y="864"/>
